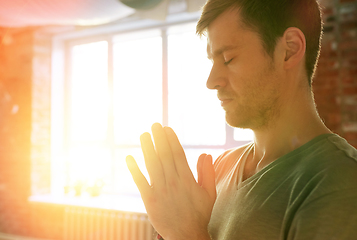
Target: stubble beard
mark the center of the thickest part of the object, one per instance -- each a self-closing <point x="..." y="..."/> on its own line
<point x="254" y="117"/>
<point x="260" y="111"/>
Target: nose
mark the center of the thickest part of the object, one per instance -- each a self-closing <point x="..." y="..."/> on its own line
<point x="216" y="78"/>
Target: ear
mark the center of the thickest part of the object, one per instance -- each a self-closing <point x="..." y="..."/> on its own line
<point x="295" y="46"/>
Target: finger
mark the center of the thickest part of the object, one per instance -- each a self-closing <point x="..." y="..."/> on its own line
<point x="208" y="181"/>
<point x="138" y="177"/>
<point x="182" y="167"/>
<point x="164" y="151"/>
<point x="200" y="168"/>
<point x="152" y="162"/>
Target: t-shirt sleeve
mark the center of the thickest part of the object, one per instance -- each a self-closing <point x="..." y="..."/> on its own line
<point x="328" y="217"/>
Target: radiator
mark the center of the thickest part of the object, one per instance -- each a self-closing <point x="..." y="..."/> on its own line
<point x="82" y="223"/>
<point x="5" y="236"/>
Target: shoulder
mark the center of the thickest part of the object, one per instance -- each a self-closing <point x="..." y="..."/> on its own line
<point x="343" y="147"/>
<point x="323" y="152"/>
<point x="229" y="158"/>
<point x="326" y="191"/>
<point x="327" y="166"/>
<point x="331" y="153"/>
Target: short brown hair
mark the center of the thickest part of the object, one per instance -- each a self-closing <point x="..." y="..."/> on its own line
<point x="270" y="19"/>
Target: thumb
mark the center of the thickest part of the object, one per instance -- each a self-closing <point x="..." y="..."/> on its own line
<point x="208" y="181"/>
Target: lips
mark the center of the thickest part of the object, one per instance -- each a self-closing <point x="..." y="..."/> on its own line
<point x="224" y="97"/>
<point x="225" y="101"/>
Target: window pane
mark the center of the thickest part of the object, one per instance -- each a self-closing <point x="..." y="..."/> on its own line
<point x="89" y="92"/>
<point x="243" y="134"/>
<point x="137" y="87"/>
<point x="194" y="111"/>
<point x="89" y="170"/>
<point x="123" y="179"/>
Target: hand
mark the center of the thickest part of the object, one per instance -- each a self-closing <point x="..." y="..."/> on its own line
<point x="178" y="207"/>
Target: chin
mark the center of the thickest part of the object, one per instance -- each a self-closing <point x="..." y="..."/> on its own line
<point x="236" y="121"/>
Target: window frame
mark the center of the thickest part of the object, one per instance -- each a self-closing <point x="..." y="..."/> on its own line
<point x="61" y="74"/>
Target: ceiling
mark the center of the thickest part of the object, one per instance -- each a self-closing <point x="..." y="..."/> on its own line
<point x="22" y="13"/>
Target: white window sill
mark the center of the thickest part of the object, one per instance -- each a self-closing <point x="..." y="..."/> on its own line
<point x="119" y="203"/>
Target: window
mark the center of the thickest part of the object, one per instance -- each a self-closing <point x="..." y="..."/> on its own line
<point x="117" y="87"/>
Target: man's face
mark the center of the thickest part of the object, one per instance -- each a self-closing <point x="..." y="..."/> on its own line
<point x="246" y="78"/>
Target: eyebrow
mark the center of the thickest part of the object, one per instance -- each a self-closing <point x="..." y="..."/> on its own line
<point x="220" y="51"/>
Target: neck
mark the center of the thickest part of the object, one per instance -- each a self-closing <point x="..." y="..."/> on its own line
<point x="296" y="124"/>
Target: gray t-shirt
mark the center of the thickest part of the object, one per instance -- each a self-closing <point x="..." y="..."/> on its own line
<point x="310" y="193"/>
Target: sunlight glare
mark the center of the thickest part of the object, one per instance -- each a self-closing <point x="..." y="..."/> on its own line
<point x="89" y="92"/>
<point x="194" y="111"/>
<point x="89" y="166"/>
<point x="243" y="134"/>
<point x="137" y="87"/>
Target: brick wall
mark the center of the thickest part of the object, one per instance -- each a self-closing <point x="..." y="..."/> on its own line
<point x="25" y="83"/>
<point x="41" y="112"/>
<point x="335" y="84"/>
<point x="15" y="128"/>
<point x="25" y="116"/>
<point x="46" y="219"/>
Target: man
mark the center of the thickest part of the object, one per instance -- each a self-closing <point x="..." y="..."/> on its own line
<point x="297" y="180"/>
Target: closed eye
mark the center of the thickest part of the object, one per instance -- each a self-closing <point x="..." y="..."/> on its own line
<point x="226" y="63"/>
